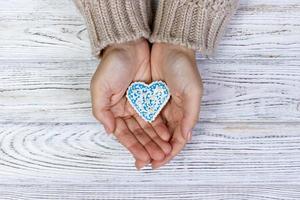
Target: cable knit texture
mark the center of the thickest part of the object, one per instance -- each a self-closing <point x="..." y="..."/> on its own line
<point x="196" y="24"/>
<point x="115" y="21"/>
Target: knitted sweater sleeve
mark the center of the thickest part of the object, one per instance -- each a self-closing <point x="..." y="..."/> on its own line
<point x="115" y="21"/>
<point x="196" y="24"/>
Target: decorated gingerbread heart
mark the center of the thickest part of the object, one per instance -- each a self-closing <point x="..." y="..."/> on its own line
<point x="148" y="100"/>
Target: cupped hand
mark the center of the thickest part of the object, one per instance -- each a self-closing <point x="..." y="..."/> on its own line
<point x="120" y="65"/>
<point x="177" y="66"/>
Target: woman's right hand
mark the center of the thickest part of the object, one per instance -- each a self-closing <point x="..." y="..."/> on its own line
<point x="122" y="64"/>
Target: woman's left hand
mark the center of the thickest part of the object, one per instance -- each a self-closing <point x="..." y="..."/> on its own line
<point x="177" y="66"/>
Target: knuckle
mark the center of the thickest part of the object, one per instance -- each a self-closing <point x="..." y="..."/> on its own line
<point x="138" y="132"/>
<point x="145" y="157"/>
<point x="120" y="135"/>
<point x="147" y="127"/>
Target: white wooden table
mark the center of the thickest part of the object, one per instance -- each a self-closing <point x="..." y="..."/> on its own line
<point x="245" y="146"/>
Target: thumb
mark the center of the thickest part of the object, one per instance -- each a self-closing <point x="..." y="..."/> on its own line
<point x="107" y="118"/>
<point x="101" y="103"/>
<point x="191" y="109"/>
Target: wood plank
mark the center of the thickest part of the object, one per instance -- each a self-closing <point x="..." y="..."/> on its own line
<point x="58" y="151"/>
<point x="219" y="154"/>
<point x="36" y="5"/>
<point x="61" y="5"/>
<point x="148" y="191"/>
<point x="235" y="91"/>
<point x="55" y="30"/>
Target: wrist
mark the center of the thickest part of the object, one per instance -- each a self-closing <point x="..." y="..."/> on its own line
<point x="133" y="55"/>
<point x="126" y="46"/>
<point x="176" y="48"/>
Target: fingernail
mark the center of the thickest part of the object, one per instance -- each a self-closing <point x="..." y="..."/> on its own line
<point x="137" y="166"/>
<point x="154" y="167"/>
<point x="185" y="131"/>
<point x="106" y="130"/>
<point x="189" y="136"/>
<point x="186" y="134"/>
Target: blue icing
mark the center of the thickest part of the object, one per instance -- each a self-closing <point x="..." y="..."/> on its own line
<point x="148" y="100"/>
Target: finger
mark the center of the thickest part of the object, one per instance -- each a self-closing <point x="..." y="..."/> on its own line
<point x="101" y="107"/>
<point x="178" y="143"/>
<point x="127" y="139"/>
<point x="191" y="109"/>
<point x="150" y="131"/>
<point x="161" y="129"/>
<point x="139" y="164"/>
<point x="155" y="152"/>
<point x="168" y="118"/>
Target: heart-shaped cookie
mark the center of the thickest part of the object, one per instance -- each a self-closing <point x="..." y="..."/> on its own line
<point x="148" y="100"/>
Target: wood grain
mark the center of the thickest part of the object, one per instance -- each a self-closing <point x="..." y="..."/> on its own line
<point x="55" y="30"/>
<point x="149" y="191"/>
<point x="61" y="5"/>
<point x="235" y="91"/>
<point x="219" y="154"/>
<point x="246" y="145"/>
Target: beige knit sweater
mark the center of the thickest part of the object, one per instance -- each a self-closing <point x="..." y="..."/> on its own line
<point x="196" y="24"/>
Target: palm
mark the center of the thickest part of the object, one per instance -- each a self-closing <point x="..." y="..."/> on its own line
<point x="118" y="68"/>
<point x="178" y="69"/>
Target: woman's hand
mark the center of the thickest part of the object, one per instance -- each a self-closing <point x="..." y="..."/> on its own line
<point x="120" y="65"/>
<point x="177" y="66"/>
